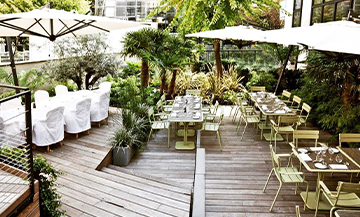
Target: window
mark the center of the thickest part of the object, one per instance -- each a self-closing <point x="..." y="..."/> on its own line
<point x="330" y="10"/>
<point x="297" y="13"/>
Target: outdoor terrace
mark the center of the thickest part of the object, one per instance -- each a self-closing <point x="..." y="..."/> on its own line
<point x="158" y="181"/>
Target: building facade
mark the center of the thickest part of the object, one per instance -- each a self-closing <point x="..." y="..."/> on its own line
<point x="308" y="12"/>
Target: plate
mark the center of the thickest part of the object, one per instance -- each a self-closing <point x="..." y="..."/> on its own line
<point x="196" y="117"/>
<point x="303" y="150"/>
<point x="269" y="111"/>
<point x="335" y="150"/>
<point x="320" y="166"/>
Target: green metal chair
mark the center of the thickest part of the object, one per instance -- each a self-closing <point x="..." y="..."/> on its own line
<point x="345" y="197"/>
<point x="304" y="134"/>
<point x="257" y="88"/>
<point x="160" y="111"/>
<point x="285" y="97"/>
<point x="285" y="175"/>
<point x="214" y="127"/>
<point x="349" y="137"/>
<point x="194" y="92"/>
<point x="157" y="125"/>
<point x="284" y="125"/>
<point x="249" y="117"/>
<point x="295" y="104"/>
<point x="304" y="114"/>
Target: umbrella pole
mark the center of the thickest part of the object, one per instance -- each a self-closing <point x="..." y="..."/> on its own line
<point x="284" y="67"/>
<point x="12" y="62"/>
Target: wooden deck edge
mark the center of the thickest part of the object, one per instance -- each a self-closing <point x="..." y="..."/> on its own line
<point x="21" y="198"/>
<point x="106" y="161"/>
<point x="12" y="170"/>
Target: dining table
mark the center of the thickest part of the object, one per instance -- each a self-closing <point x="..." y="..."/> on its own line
<point x="186" y="109"/>
<point x="347" y="213"/>
<point x="309" y="158"/>
<point x="270" y="105"/>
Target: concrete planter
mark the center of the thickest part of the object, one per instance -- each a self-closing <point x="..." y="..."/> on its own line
<point x="122" y="156"/>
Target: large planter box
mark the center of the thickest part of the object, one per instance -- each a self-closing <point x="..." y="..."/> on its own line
<point x="122" y="156"/>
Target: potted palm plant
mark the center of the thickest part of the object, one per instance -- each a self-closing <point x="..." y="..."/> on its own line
<point x="128" y="138"/>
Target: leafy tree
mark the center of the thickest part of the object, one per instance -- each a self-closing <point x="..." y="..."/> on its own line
<point x="84" y="60"/>
<point x="16" y="6"/>
<point x="201" y="15"/>
<point x="140" y="44"/>
<point x="173" y="54"/>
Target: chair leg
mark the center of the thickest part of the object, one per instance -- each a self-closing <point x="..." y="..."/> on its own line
<point x="275" y="135"/>
<point x="88" y="132"/>
<point x="61" y="143"/>
<point x="99" y="124"/>
<point x="48" y="148"/>
<point x="268" y="179"/>
<point x="219" y="137"/>
<point x="239" y="124"/>
<point x="296" y="187"/>
<point x="244" y="130"/>
<point x="76" y="136"/>
<point x="276" y="196"/>
<point x="307" y="194"/>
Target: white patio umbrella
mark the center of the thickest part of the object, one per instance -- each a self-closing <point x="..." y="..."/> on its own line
<point x="51" y="24"/>
<point x="246" y="33"/>
<point x="336" y="36"/>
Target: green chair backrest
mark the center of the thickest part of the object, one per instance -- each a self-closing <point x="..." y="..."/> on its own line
<point x="257" y="88"/>
<point x="159" y="105"/>
<point x="349" y="187"/>
<point x="296" y="101"/>
<point x="221" y="116"/>
<point x="305" y="134"/>
<point x="286" y="94"/>
<point x="194" y="92"/>
<point x="163" y="98"/>
<point x="348" y="137"/>
<point x="287" y="120"/>
<point x="150" y="113"/>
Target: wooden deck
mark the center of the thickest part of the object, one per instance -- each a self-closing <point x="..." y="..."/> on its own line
<point x="158" y="181"/>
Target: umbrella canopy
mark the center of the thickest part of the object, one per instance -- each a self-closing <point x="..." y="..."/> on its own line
<point x="246" y="33"/>
<point x="51" y="24"/>
<point x="336" y="36"/>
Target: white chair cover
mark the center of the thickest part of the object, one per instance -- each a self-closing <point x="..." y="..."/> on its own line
<point x="77" y="119"/>
<point x="12" y="128"/>
<point x="61" y="90"/>
<point x="41" y="98"/>
<point x="100" y="107"/>
<point x="105" y="86"/>
<point x="49" y="130"/>
<point x="13" y="103"/>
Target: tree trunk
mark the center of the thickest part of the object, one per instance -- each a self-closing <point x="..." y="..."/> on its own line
<point x="218" y="58"/>
<point x="145" y="76"/>
<point x="163" y="82"/>
<point x="171" y="87"/>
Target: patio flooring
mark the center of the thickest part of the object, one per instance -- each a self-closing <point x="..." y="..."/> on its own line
<point x="158" y="181"/>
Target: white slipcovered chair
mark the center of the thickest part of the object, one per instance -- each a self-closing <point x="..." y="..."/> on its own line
<point x="105" y="86"/>
<point x="13" y="103"/>
<point x="41" y="98"/>
<point x="99" y="107"/>
<point x="61" y="90"/>
<point x="77" y="117"/>
<point x="49" y="129"/>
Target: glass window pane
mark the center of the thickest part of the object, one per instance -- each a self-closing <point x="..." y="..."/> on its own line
<point x="297" y="4"/>
<point x="296" y="19"/>
<point x="316" y="15"/>
<point x="110" y="3"/>
<point x="120" y="3"/>
<point x="120" y="11"/>
<point x="328" y="13"/>
<point x="342" y="9"/>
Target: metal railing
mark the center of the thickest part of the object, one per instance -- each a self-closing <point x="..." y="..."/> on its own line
<point x="19" y="56"/>
<point x="16" y="157"/>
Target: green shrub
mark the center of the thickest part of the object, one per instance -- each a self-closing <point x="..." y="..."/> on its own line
<point x="263" y="79"/>
<point x="131" y="69"/>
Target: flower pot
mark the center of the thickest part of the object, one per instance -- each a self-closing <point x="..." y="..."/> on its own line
<point x="122" y="156"/>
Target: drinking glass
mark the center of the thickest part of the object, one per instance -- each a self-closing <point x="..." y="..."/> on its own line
<point x="339" y="158"/>
<point x="331" y="152"/>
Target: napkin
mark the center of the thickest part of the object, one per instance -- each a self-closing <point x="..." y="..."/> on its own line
<point x="280" y="112"/>
<point x="196" y="106"/>
<point x="196" y="115"/>
<point x="173" y="115"/>
<point x="317" y="148"/>
<point x="305" y="157"/>
<point x="264" y="107"/>
<point x="338" y="166"/>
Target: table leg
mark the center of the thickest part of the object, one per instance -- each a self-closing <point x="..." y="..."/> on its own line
<point x="185" y="145"/>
